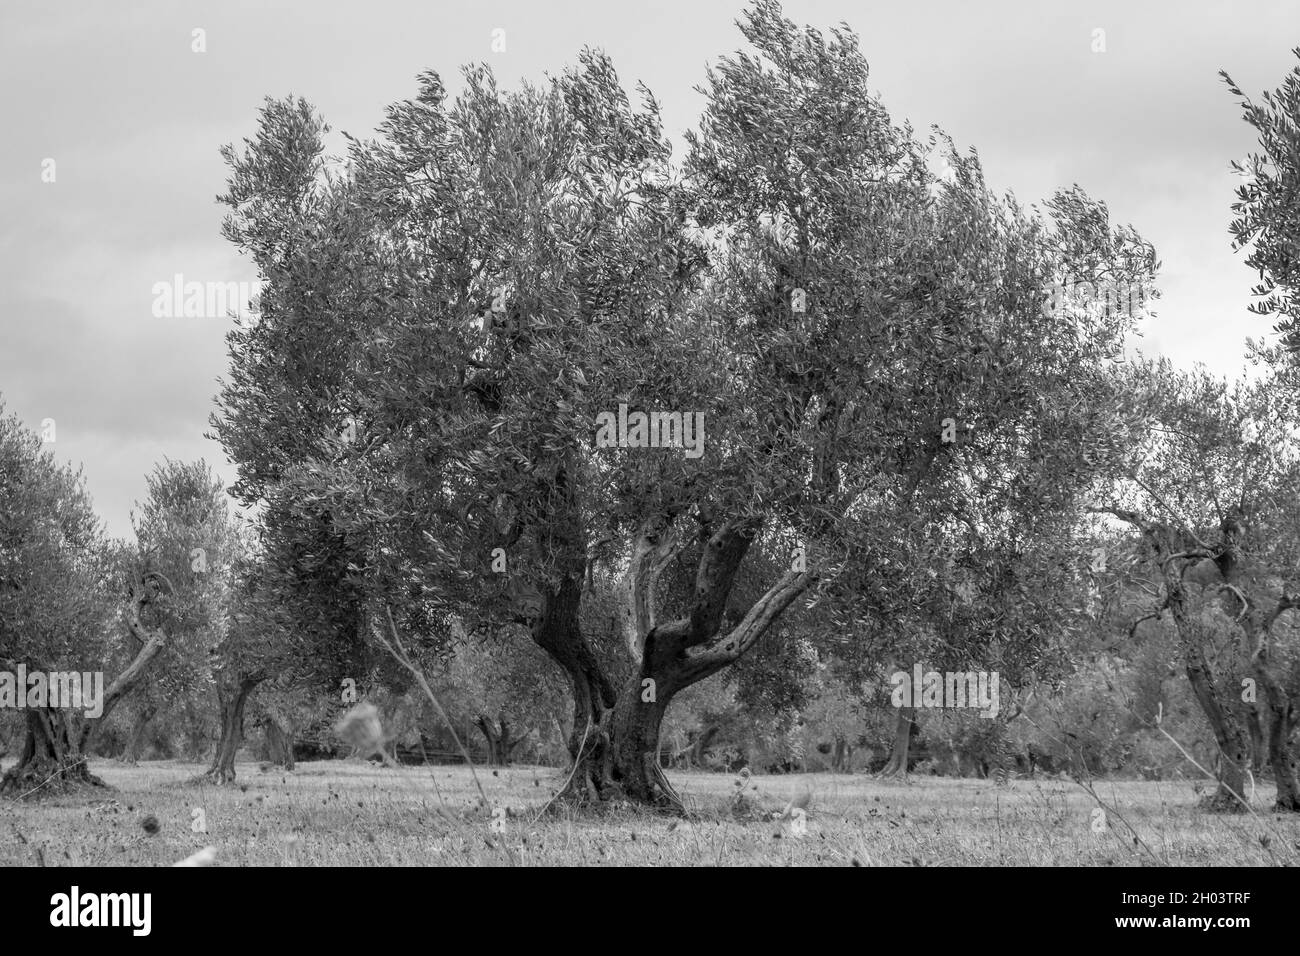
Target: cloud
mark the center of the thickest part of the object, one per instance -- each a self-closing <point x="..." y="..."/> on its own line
<point x="134" y="120"/>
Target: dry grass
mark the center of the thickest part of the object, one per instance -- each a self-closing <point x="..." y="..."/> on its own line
<point x="349" y="813"/>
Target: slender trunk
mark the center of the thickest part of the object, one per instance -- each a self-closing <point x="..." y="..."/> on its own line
<point x="509" y="741"/>
<point x="841" y="756"/>
<point x="904" y="730"/>
<point x="279" y="742"/>
<point x="494" y="738"/>
<point x="701" y="744"/>
<point x="1259" y="749"/>
<point x="230" y="702"/>
<point x="136" y="740"/>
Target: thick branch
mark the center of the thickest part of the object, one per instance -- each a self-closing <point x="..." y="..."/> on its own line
<point x="726" y="650"/>
<point x="152" y="641"/>
<point x="656" y="545"/>
<point x="1123" y="514"/>
<point x="714" y="577"/>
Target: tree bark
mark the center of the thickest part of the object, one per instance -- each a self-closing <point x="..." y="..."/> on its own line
<point x="1175" y="552"/>
<point x="58" y="743"/>
<point x="614" y="743"/>
<point x="279" y="742"/>
<point x="1282" y="715"/>
<point x="52" y="761"/>
<point x="904" y="730"/>
<point x="701" y="745"/>
<point x="230" y="703"/>
<point x="1257" y="623"/>
<point x="136" y="740"/>
<point x="1228" y="734"/>
<point x="841" y="755"/>
<point x="151" y="641"/>
<point x="497" y="736"/>
<point x="1259" y="751"/>
<point x="1234" y="748"/>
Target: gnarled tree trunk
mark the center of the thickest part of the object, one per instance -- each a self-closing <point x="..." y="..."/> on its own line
<point x="279" y="742"/>
<point x="1281" y="712"/>
<point x="500" y="744"/>
<point x="615" y="738"/>
<point x="1234" y="749"/>
<point x="58" y="743"/>
<point x="1175" y="552"/>
<point x="904" y="731"/>
<point x="701" y="745"/>
<point x="1256" y="623"/>
<point x="230" y="702"/>
<point x="52" y="760"/>
<point x="136" y="740"/>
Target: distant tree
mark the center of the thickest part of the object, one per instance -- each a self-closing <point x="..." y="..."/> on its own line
<point x="62" y="590"/>
<point x="503" y="690"/>
<point x="1214" y="493"/>
<point x="186" y="529"/>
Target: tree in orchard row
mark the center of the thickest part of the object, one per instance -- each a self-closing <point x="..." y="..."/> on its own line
<point x="1213" y="492"/>
<point x="501" y="688"/>
<point x="284" y="416"/>
<point x="185" y="528"/>
<point x="498" y="272"/>
<point x="61" y="599"/>
<point x="284" y="605"/>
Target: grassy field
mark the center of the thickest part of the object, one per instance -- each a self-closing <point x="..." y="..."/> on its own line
<point x="350" y="813"/>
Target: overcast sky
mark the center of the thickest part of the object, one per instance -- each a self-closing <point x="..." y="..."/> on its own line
<point x="113" y="93"/>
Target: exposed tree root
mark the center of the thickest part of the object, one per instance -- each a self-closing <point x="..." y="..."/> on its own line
<point x="45" y="777"/>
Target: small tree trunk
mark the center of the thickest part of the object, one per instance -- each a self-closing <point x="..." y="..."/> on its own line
<point x="136" y="740"/>
<point x="230" y="702"/>
<point x="509" y="745"/>
<point x="903" y="733"/>
<point x="1281" y="725"/>
<point x="279" y="742"/>
<point x="841" y="755"/>
<point x="1259" y="749"/>
<point x="701" y="744"/>
<point x="493" y="737"/>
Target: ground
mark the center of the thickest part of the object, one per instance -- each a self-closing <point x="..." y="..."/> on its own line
<point x="351" y="813"/>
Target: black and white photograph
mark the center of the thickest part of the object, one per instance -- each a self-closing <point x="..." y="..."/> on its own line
<point x="578" y="434"/>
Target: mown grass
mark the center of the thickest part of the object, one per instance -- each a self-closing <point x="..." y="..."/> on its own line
<point x="351" y="813"/>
